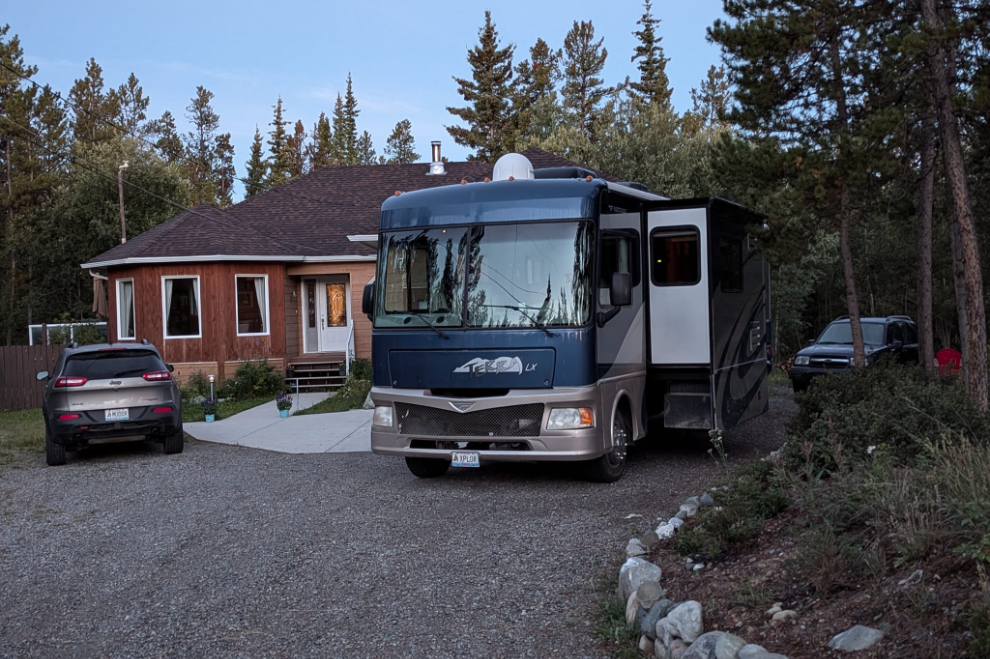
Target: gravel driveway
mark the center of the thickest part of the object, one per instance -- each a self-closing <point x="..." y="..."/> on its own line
<point x="225" y="551"/>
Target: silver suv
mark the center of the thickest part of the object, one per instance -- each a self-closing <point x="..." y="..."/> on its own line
<point x="110" y="392"/>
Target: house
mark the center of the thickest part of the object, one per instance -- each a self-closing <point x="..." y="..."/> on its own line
<point x="279" y="275"/>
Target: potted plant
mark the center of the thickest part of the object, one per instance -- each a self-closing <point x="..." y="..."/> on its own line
<point x="209" y="409"/>
<point x="284" y="404"/>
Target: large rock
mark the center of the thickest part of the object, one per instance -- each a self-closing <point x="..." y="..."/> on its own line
<point x="688" y="510"/>
<point x="855" y="639"/>
<point x="757" y="652"/>
<point x="677" y="649"/>
<point x="636" y="548"/>
<point x="632" y="606"/>
<point x="683" y="622"/>
<point x="634" y="573"/>
<point x="659" y="610"/>
<point x="666" y="531"/>
<point x="781" y="617"/>
<point x="649" y="593"/>
<point x="715" y="645"/>
<point x="646" y="645"/>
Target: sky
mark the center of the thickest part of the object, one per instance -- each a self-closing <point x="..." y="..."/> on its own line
<point x="401" y="54"/>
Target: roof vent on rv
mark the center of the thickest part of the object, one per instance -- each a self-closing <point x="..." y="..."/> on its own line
<point x="513" y="166"/>
<point x="436" y="166"/>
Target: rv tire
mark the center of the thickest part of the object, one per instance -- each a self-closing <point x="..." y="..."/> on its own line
<point x="608" y="468"/>
<point x="427" y="467"/>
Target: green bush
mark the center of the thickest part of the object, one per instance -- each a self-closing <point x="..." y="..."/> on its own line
<point x="361" y="368"/>
<point x="254" y="378"/>
<point x="197" y="384"/>
<point x="893" y="409"/>
<point x="979" y="627"/>
<point x="350" y="396"/>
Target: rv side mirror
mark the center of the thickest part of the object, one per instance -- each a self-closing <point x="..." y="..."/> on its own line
<point x="42" y="375"/>
<point x="368" y="299"/>
<point x="620" y="292"/>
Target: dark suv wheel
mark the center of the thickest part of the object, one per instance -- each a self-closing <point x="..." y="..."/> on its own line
<point x="55" y="454"/>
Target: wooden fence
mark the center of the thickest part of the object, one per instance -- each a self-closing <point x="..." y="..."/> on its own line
<point x="19" y="366"/>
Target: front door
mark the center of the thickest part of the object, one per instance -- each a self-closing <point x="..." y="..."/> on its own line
<point x="326" y="314"/>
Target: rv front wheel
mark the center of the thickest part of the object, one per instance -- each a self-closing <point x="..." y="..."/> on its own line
<point x="427" y="467"/>
<point x="609" y="467"/>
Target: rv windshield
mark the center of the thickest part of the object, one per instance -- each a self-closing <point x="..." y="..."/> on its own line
<point x="518" y="275"/>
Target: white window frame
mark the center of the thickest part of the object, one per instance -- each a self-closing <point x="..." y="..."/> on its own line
<point x="199" y="309"/>
<point x="237" y="306"/>
<point x="120" y="335"/>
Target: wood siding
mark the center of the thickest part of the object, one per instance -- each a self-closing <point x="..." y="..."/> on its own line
<point x="218" y="312"/>
<point x="360" y="274"/>
<point x="293" y="318"/>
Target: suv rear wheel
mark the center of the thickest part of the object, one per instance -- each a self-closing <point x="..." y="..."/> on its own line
<point x="173" y="443"/>
<point x="55" y="454"/>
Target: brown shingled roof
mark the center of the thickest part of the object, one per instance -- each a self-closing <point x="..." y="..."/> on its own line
<point x="310" y="216"/>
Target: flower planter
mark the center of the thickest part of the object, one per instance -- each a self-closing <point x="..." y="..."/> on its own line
<point x="284" y="414"/>
<point x="210" y="418"/>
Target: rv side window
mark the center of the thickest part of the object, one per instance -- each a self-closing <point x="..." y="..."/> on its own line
<point x="619" y="254"/>
<point x="675" y="257"/>
<point x="730" y="256"/>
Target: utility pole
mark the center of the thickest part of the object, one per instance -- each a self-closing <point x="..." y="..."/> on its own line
<point x="120" y="191"/>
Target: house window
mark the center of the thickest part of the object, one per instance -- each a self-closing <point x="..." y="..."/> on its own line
<point x="336" y="305"/>
<point x="181" y="307"/>
<point x="125" y="310"/>
<point x="675" y="258"/>
<point x="252" y="305"/>
<point x="730" y="256"/>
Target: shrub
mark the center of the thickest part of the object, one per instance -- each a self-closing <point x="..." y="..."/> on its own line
<point x="824" y="559"/>
<point x="255" y="378"/>
<point x="890" y="407"/>
<point x="979" y="627"/>
<point x="196" y="384"/>
<point x="960" y="472"/>
<point x="361" y="368"/>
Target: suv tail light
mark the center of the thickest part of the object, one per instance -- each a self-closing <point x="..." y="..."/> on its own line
<point x="67" y="417"/>
<point x="162" y="410"/>
<point x="70" y="381"/>
<point x="157" y="376"/>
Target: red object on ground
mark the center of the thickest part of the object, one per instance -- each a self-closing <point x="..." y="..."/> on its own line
<point x="949" y="361"/>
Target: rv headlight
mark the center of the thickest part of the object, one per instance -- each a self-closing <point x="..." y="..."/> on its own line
<point x="570" y="418"/>
<point x="802" y="360"/>
<point x="383" y="416"/>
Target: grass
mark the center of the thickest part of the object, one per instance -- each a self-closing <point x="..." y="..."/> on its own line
<point x="194" y="412"/>
<point x="349" y="397"/>
<point x="21" y="432"/>
<point x="611" y="629"/>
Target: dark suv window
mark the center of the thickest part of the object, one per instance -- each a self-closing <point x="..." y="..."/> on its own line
<point x="113" y="364"/>
<point x="910" y="333"/>
<point x="894" y="333"/>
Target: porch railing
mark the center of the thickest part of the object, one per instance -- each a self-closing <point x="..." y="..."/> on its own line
<point x="349" y="354"/>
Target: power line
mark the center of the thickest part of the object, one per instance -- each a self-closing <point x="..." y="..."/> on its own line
<point x="125" y="131"/>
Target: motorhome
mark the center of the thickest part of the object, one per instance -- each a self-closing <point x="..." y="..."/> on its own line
<point x="554" y="315"/>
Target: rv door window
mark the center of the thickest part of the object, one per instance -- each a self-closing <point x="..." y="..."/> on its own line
<point x="675" y="257"/>
<point x="619" y="254"/>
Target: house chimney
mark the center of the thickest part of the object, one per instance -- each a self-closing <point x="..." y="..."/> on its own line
<point x="436" y="167"/>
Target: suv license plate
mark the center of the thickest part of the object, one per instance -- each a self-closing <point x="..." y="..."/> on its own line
<point x="122" y="414"/>
<point x="464" y="460"/>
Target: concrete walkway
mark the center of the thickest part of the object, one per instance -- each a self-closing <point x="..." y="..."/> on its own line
<point x="262" y="427"/>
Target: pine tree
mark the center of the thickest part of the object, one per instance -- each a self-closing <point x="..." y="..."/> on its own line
<point x="280" y="160"/>
<point x="338" y="144"/>
<point x="94" y="107"/>
<point x="133" y="106"/>
<point x="297" y="151"/>
<point x="345" y="135"/>
<point x="257" y="167"/>
<point x="487" y="113"/>
<point x="583" y="89"/>
<point x="535" y="87"/>
<point x="319" y="150"/>
<point x="400" y="148"/>
<point x="366" y="150"/>
<point x="201" y="155"/>
<point x="711" y="102"/>
<point x="653" y="85"/>
<point x="168" y="141"/>
<point x="226" y="173"/>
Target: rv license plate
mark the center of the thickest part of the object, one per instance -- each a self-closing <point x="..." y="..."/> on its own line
<point x="122" y="414"/>
<point x="464" y="460"/>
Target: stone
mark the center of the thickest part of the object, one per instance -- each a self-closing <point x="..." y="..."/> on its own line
<point x="715" y="645"/>
<point x="913" y="580"/>
<point x="635" y="548"/>
<point x="689" y="510"/>
<point x="676" y="522"/>
<point x="684" y="622"/>
<point x="660" y="650"/>
<point x="649" y="539"/>
<point x="774" y="610"/>
<point x="649" y="593"/>
<point x="781" y="617"/>
<point x="646" y="645"/>
<point x="692" y="501"/>
<point x="750" y="651"/>
<point x="707" y="500"/>
<point x="698" y="567"/>
<point x="728" y="647"/>
<point x="666" y="531"/>
<point x="648" y="625"/>
<point x="855" y="639"/>
<point x="632" y="605"/>
<point x="677" y="649"/>
<point x="634" y="573"/>
<point x="681" y="515"/>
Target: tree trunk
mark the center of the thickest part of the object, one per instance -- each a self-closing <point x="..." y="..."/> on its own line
<point x="959" y="278"/>
<point x="12" y="277"/>
<point x="852" y="300"/>
<point x="955" y="171"/>
<point x="926" y="342"/>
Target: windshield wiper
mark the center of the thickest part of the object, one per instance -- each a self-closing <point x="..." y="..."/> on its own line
<point x="440" y="332"/>
<point x="536" y="323"/>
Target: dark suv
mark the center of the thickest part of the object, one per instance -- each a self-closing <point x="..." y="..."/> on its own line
<point x="832" y="352"/>
<point x="110" y="393"/>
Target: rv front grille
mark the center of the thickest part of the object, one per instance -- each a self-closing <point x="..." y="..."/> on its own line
<point x="513" y="421"/>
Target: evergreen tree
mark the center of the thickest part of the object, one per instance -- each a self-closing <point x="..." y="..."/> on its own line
<point x="400" y="148"/>
<point x="653" y="85"/>
<point x="257" y="167"/>
<point x="584" y="90"/>
<point x="133" y="106"/>
<point x="94" y="107"/>
<point x="366" y="150"/>
<point x="297" y="151"/>
<point x="345" y="135"/>
<point x="535" y="87"/>
<point x="711" y="102"/>
<point x="319" y="150"/>
<point x="226" y="173"/>
<point x="279" y="149"/>
<point x="168" y="142"/>
<point x="487" y="94"/>
<point x="339" y="139"/>
<point x="201" y="156"/>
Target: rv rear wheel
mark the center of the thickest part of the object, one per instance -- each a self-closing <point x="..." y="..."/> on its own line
<point x="609" y="467"/>
<point x="427" y="467"/>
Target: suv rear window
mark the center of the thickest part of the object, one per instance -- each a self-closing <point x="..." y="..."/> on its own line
<point x="113" y="364"/>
